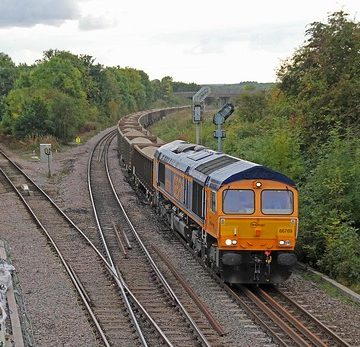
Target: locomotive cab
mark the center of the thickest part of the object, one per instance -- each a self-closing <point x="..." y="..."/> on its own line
<point x="255" y="223"/>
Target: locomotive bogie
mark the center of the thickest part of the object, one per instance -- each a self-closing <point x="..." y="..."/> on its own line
<point x="253" y="267"/>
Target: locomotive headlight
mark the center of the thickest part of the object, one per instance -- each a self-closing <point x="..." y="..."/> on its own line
<point x="234" y="242"/>
<point x="281" y="242"/>
<point x="228" y="242"/>
<point x="285" y="243"/>
<point x="257" y="184"/>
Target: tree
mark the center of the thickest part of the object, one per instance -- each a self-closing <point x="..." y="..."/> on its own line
<point x="329" y="235"/>
<point x="135" y="87"/>
<point x="7" y="74"/>
<point x="66" y="116"/>
<point x="322" y="78"/>
<point x="251" y="105"/>
<point x="185" y="87"/>
<point x="83" y="63"/>
<point x="59" y="74"/>
<point x="34" y="119"/>
<point x="7" y="78"/>
<point x="166" y="89"/>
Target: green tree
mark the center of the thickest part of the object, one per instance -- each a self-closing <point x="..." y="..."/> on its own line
<point x="8" y="75"/>
<point x="108" y="99"/>
<point x="59" y="74"/>
<point x="156" y="87"/>
<point x="34" y="119"/>
<point x="136" y="88"/>
<point x="322" y="78"/>
<point x="185" y="87"/>
<point x="166" y="88"/>
<point x="66" y="116"/>
<point x="83" y="63"/>
<point x="148" y="88"/>
<point x="251" y="105"/>
<point x="330" y="218"/>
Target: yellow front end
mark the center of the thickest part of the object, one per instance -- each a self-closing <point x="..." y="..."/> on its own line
<point x="255" y="224"/>
<point x="260" y="233"/>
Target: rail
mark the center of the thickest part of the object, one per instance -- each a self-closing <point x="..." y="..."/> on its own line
<point x="57" y="250"/>
<point x="125" y="292"/>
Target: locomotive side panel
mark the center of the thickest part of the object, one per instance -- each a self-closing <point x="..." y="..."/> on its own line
<point x="177" y="188"/>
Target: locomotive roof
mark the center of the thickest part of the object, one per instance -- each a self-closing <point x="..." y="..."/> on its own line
<point x="212" y="168"/>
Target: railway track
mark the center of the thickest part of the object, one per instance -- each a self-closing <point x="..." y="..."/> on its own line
<point x="287" y="322"/>
<point x="318" y="330"/>
<point x="282" y="317"/>
<point x="86" y="268"/>
<point x="137" y="267"/>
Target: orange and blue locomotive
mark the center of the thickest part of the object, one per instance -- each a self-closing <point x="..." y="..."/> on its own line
<point x="240" y="217"/>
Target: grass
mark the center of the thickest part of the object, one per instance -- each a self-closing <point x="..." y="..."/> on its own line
<point x="179" y="126"/>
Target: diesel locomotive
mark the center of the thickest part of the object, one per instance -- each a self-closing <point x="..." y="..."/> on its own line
<point x="241" y="218"/>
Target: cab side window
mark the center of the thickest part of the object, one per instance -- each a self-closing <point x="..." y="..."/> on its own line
<point x="161" y="175"/>
<point x="197" y="199"/>
<point x="213" y="201"/>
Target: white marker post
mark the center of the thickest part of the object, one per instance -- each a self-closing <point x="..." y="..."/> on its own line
<point x="46" y="156"/>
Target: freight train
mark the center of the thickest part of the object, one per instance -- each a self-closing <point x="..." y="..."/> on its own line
<point x="241" y="218"/>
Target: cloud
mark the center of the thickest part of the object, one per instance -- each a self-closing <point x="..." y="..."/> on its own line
<point x="94" y="23"/>
<point x="270" y="37"/>
<point x="27" y="13"/>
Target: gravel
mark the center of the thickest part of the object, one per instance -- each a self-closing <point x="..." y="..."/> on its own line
<point x="338" y="313"/>
<point x="49" y="301"/>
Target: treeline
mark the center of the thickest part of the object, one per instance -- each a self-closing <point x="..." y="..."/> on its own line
<point x="64" y="94"/>
<point x="307" y="126"/>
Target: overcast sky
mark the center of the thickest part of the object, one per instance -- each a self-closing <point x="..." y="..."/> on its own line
<point x="225" y="41"/>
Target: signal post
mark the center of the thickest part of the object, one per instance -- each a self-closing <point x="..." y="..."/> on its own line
<point x="198" y="107"/>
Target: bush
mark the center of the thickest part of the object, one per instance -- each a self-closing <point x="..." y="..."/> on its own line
<point x="341" y="259"/>
<point x="329" y="234"/>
